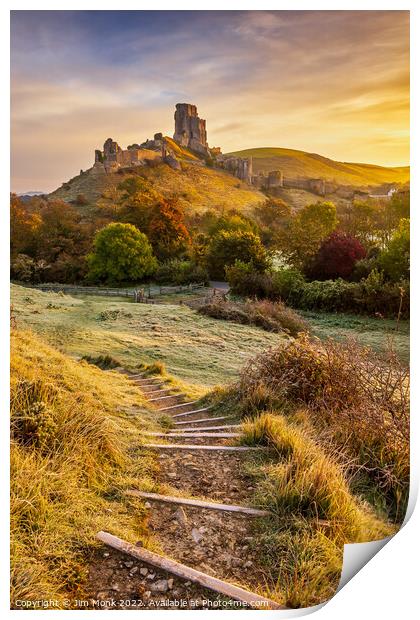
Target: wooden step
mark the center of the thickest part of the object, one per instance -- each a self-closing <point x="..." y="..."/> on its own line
<point x="141" y="376"/>
<point x="169" y="499"/>
<point x="181" y="415"/>
<point x="185" y="435"/>
<point x="179" y="431"/>
<point x="152" y="400"/>
<point x="223" y="417"/>
<point x="187" y="573"/>
<point x="177" y="446"/>
<point x="159" y="391"/>
<point x="180" y="405"/>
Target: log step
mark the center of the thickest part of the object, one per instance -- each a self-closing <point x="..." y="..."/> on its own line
<point x="169" y="499"/>
<point x="176" y="446"/>
<point x="180" y="431"/>
<point x="180" y="405"/>
<point x="165" y="397"/>
<point x="223" y="417"/>
<point x="181" y="415"/>
<point x="185" y="435"/>
<point x="187" y="573"/>
<point x="159" y="391"/>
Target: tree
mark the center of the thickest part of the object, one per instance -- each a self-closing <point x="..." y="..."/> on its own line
<point x="395" y="259"/>
<point x="63" y="241"/>
<point x="302" y="239"/>
<point x="24" y="225"/>
<point x="167" y="231"/>
<point x="228" y="246"/>
<point x="121" y="254"/>
<point x="272" y="216"/>
<point x="336" y="257"/>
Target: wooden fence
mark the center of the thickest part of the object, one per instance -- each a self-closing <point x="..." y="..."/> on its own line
<point x="144" y="294"/>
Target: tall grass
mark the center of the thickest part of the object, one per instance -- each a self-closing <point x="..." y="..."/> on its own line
<point x="316" y="512"/>
<point x="69" y="461"/>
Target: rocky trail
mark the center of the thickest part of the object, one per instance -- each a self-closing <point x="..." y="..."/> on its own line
<point x="202" y="518"/>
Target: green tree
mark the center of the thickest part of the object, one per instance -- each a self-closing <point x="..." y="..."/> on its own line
<point x="394" y="260"/>
<point x="303" y="237"/>
<point x="121" y="254"/>
<point x="228" y="246"/>
<point x="273" y="216"/>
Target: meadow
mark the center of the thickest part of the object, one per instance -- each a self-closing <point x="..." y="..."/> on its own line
<point x="376" y="333"/>
<point x="198" y="350"/>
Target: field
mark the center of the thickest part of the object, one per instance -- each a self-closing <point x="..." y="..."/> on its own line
<point x="371" y="332"/>
<point x="295" y="163"/>
<point x="192" y="346"/>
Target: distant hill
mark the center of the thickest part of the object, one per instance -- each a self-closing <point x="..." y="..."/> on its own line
<point x="294" y="163"/>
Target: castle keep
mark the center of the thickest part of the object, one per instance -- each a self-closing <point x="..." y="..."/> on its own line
<point x="190" y="130"/>
<point x="190" y="133"/>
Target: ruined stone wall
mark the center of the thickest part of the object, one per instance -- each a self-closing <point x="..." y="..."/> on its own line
<point x="114" y="157"/>
<point x="238" y="166"/>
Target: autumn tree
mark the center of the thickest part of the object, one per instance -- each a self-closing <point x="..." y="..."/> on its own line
<point x="167" y="231"/>
<point x="24" y="225"/>
<point x="336" y="257"/>
<point x="229" y="246"/>
<point x="121" y="254"/>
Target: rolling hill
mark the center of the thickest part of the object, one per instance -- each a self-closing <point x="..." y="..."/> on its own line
<point x="295" y="163"/>
<point x="198" y="187"/>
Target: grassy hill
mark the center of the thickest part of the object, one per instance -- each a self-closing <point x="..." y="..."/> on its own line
<point x="295" y="163"/>
<point x="198" y="187"/>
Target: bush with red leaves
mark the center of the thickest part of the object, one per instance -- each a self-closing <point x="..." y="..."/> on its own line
<point x="336" y="257"/>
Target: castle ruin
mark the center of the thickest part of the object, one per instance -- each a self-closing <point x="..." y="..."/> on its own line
<point x="190" y="133"/>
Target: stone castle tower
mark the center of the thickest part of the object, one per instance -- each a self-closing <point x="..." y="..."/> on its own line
<point x="190" y="130"/>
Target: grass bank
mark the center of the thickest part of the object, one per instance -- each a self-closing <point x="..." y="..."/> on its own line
<point x="73" y="453"/>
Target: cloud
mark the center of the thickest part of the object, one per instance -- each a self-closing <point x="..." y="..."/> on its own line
<point x="331" y="82"/>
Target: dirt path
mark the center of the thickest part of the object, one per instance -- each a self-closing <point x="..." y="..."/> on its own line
<point x="218" y="542"/>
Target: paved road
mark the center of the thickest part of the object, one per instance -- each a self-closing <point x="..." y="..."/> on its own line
<point x="224" y="286"/>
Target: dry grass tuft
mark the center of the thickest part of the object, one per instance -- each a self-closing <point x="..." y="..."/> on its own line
<point x="269" y="315"/>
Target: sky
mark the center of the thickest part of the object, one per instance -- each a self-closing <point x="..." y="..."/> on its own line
<point x="334" y="83"/>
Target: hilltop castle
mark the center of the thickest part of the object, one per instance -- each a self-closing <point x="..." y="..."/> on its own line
<point x="190" y="133"/>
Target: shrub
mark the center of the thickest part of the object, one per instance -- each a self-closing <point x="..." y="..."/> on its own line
<point x="270" y="316"/>
<point x="357" y="400"/>
<point x="372" y="296"/>
<point x="121" y="254"/>
<point x="395" y="259"/>
<point x="228" y="246"/>
<point x="246" y="281"/>
<point x="336" y="257"/>
<point x="81" y="200"/>
<point x="178" y="271"/>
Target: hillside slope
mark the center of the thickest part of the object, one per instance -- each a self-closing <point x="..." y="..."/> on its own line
<point x="198" y="187"/>
<point x="295" y="163"/>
